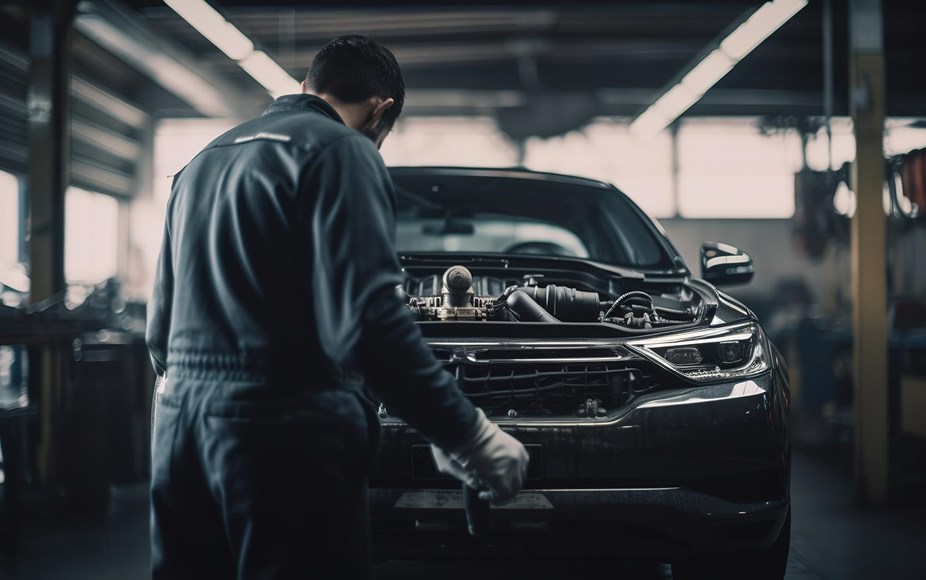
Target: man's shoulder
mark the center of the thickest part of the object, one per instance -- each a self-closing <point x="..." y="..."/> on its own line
<point x="305" y="131"/>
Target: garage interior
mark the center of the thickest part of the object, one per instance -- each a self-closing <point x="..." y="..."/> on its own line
<point x="804" y="146"/>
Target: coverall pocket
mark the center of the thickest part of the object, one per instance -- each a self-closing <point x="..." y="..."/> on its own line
<point x="289" y="480"/>
<point x="164" y="436"/>
<point x="330" y="426"/>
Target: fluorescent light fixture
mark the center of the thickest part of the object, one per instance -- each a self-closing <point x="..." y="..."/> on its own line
<point x="238" y="47"/>
<point x="649" y="124"/>
<point x="707" y="72"/>
<point x="658" y="116"/>
<point x="679" y="97"/>
<point x="732" y="49"/>
<point x="214" y="27"/>
<point x="766" y="20"/>
<point x="269" y="74"/>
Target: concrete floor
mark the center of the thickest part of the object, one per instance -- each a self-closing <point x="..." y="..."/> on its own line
<point x="832" y="538"/>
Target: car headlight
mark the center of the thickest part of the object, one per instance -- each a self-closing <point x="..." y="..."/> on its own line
<point x="709" y="355"/>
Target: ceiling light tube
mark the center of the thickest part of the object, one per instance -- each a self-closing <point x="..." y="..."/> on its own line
<point x="678" y="98"/>
<point x="766" y="20"/>
<point x="214" y="27"/>
<point x="661" y="113"/>
<point x="236" y="46"/>
<point x="706" y="73"/>
<point x="269" y="74"/>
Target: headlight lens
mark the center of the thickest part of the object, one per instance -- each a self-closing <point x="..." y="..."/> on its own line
<point x="709" y="355"/>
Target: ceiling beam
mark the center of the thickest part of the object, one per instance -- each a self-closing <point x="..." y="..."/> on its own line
<point x="120" y="31"/>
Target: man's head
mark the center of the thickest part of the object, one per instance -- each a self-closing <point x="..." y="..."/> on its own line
<point x="362" y="80"/>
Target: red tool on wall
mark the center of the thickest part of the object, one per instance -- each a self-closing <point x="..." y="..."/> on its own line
<point x="913" y="177"/>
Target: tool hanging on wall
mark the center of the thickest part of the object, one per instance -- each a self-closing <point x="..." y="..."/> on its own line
<point x="913" y="179"/>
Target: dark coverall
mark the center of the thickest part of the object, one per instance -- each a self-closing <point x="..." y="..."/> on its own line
<point x="274" y="308"/>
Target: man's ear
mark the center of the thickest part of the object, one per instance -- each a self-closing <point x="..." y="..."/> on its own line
<point x="379" y="108"/>
<point x="305" y="87"/>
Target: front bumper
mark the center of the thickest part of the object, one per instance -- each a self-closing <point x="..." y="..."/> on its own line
<point x="663" y="523"/>
<point x="675" y="473"/>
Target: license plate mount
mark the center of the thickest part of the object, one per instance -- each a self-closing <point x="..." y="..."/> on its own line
<point x="423" y="466"/>
<point x="453" y="500"/>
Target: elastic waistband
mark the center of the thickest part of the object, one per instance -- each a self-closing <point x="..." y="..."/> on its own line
<point x="246" y="366"/>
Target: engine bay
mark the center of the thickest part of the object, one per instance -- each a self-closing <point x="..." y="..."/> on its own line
<point x="458" y="295"/>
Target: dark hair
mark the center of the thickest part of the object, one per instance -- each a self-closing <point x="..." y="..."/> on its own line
<point x="353" y="68"/>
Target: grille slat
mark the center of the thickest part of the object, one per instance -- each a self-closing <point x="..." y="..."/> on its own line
<point x="547" y="384"/>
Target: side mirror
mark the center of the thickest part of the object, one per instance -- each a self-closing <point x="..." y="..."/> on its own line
<point x="723" y="264"/>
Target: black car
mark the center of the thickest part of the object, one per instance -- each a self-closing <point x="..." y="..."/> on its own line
<point x="653" y="406"/>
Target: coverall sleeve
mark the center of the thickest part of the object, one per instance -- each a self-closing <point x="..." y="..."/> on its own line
<point x="159" y="307"/>
<point x="355" y="274"/>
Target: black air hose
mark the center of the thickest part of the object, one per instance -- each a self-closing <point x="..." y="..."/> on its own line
<point x="633" y="298"/>
<point x="525" y="309"/>
<point x="566" y="304"/>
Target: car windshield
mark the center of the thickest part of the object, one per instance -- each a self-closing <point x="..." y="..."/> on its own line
<point x="479" y="214"/>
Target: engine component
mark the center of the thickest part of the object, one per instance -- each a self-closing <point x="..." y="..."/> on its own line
<point x="474" y="312"/>
<point x="566" y="304"/>
<point x="456" y="302"/>
<point x="530" y="280"/>
<point x="525" y="309"/>
<point x="457" y="289"/>
<point x="453" y="296"/>
<point x="457" y="299"/>
<point x="434" y="308"/>
<point x="636" y="310"/>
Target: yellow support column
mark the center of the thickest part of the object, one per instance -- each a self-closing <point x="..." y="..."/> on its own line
<point x="869" y="251"/>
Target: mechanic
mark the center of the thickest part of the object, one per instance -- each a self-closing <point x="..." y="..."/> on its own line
<point x="274" y="309"/>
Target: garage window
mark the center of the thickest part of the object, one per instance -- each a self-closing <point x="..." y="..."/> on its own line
<point x="9" y="220"/>
<point x="728" y="169"/>
<point x="605" y="150"/>
<point x="467" y="141"/>
<point x="91" y="236"/>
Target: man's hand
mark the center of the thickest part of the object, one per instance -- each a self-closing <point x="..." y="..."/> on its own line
<point x="489" y="457"/>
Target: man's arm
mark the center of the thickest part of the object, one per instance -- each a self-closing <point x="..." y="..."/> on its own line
<point x="159" y="307"/>
<point x="355" y="272"/>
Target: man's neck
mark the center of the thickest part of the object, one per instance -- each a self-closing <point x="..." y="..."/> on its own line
<point x="354" y="115"/>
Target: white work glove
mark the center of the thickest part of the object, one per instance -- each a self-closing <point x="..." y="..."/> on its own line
<point x="489" y="457"/>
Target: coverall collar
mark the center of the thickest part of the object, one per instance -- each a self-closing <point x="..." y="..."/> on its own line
<point x="302" y="102"/>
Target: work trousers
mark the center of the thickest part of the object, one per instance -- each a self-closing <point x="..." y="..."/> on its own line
<point x="249" y="486"/>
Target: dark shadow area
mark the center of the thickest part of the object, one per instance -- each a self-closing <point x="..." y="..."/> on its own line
<point x="833" y="537"/>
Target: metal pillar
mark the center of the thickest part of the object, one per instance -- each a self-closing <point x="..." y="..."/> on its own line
<point x="49" y="156"/>
<point x="869" y="251"/>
